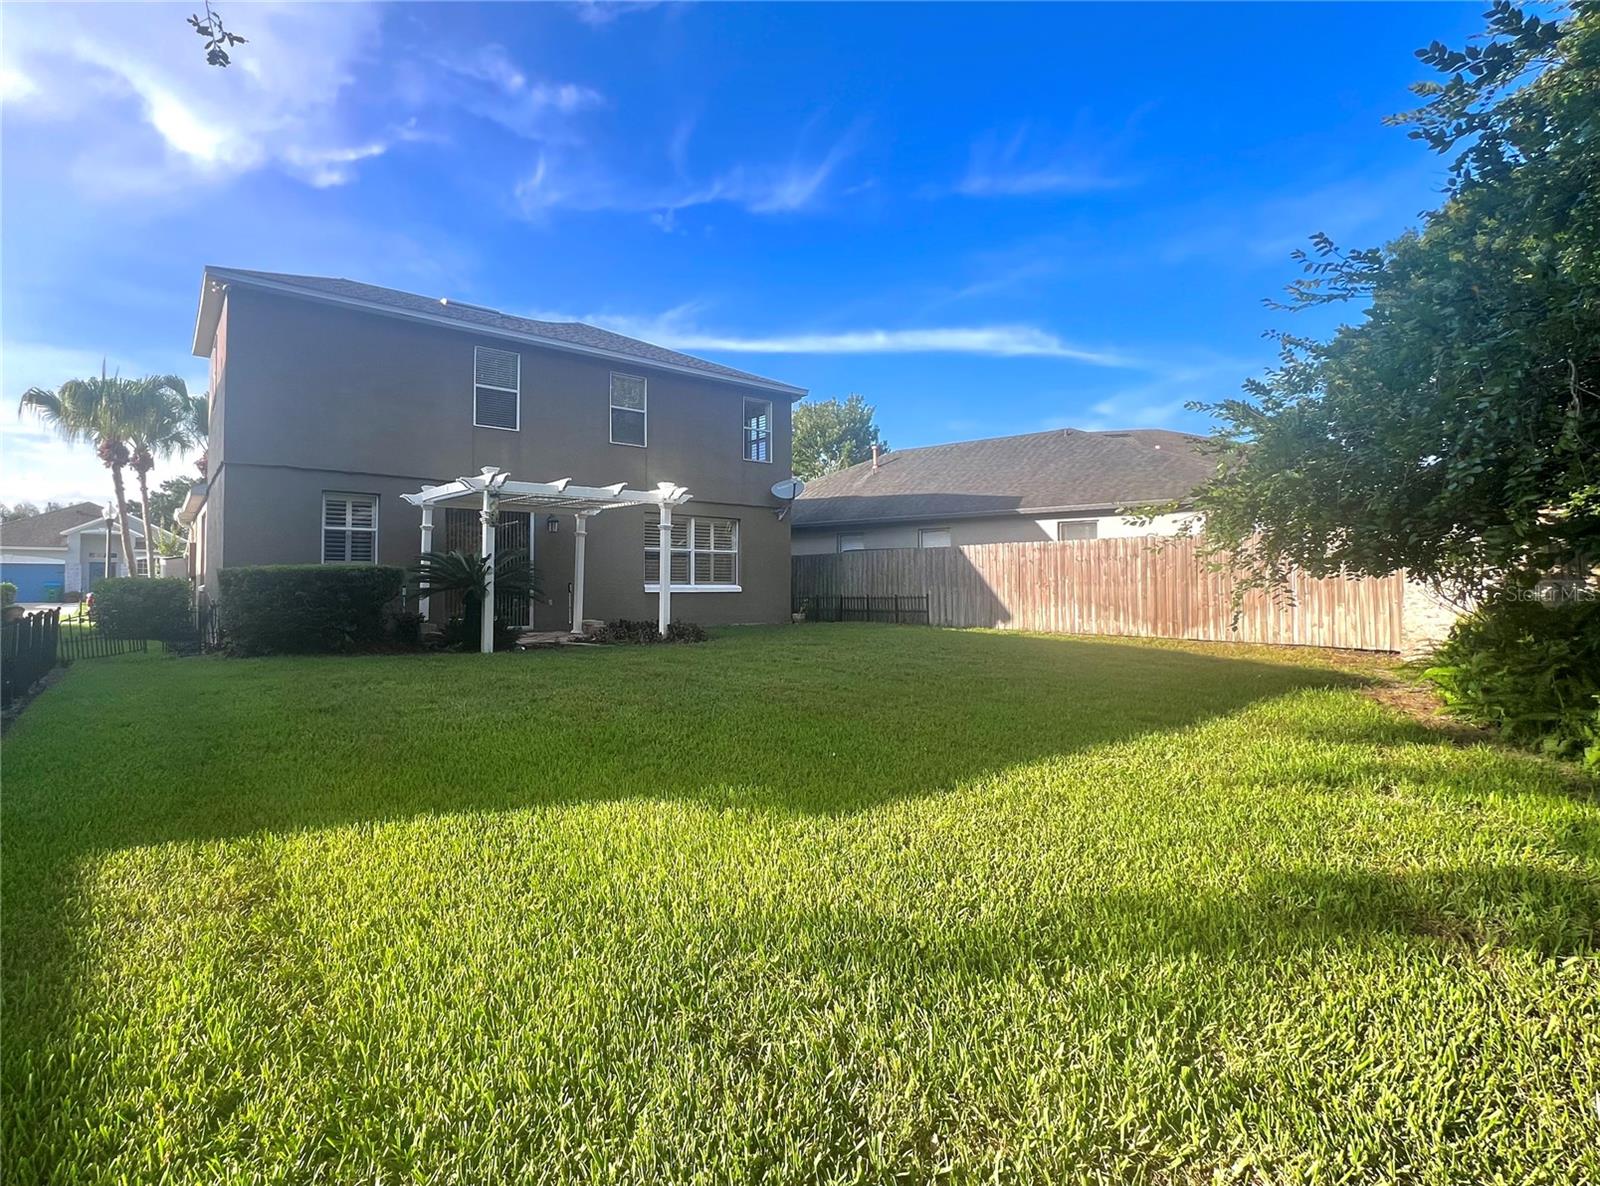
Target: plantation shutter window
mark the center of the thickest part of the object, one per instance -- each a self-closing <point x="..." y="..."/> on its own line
<point x="628" y="410"/>
<point x="757" y="429"/>
<point x="497" y="388"/>
<point x="349" y="528"/>
<point x="1077" y="529"/>
<point x="852" y="541"/>
<point x="933" y="537"/>
<point x="703" y="553"/>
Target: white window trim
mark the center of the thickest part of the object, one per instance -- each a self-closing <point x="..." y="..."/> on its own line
<point x="737" y="553"/>
<point x="1063" y="540"/>
<point x="517" y="390"/>
<point x="323" y="527"/>
<point x="655" y="587"/>
<point x="839" y="538"/>
<point x="744" y="430"/>
<point x="616" y="407"/>
<point x="922" y="531"/>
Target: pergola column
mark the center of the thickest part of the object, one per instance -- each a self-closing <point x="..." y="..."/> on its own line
<point x="664" y="585"/>
<point x="580" y="539"/>
<point x="486" y="632"/>
<point x="427" y="546"/>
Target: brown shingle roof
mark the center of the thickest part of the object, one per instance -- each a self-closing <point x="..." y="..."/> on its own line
<point x="1063" y="469"/>
<point x="575" y="333"/>
<point x="44" y="531"/>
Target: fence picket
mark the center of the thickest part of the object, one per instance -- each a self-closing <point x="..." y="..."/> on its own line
<point x="1136" y="586"/>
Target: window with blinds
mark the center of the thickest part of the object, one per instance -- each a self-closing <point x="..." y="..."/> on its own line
<point x="497" y="388"/>
<point x="702" y="552"/>
<point x="349" y="528"/>
<point x="629" y="396"/>
<point x="1077" y="529"/>
<point x="757" y="429"/>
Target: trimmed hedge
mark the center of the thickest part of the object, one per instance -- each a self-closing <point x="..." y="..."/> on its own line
<point x="8" y="593"/>
<point x="1530" y="669"/>
<point x="142" y="607"/>
<point x="306" y="608"/>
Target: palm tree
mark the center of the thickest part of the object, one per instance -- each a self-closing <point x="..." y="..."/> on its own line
<point x="166" y="420"/>
<point x="98" y="411"/>
<point x="468" y="574"/>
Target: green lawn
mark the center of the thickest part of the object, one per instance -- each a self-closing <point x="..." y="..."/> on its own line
<point x="820" y="904"/>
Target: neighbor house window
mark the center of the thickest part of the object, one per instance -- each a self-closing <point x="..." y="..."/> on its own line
<point x="628" y="399"/>
<point x="757" y="429"/>
<point x="852" y="541"/>
<point x="702" y="552"/>
<point x="933" y="537"/>
<point x="349" y="528"/>
<point x="1077" y="529"/>
<point x="497" y="388"/>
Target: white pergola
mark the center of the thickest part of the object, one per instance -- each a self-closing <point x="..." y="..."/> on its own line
<point x="491" y="489"/>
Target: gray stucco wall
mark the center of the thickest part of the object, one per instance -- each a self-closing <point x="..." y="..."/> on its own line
<point x="989" y="529"/>
<point x="320" y="398"/>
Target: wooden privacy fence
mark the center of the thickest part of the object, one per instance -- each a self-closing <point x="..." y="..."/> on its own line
<point x="1147" y="586"/>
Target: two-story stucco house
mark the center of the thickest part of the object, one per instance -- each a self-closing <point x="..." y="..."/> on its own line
<point x="331" y="400"/>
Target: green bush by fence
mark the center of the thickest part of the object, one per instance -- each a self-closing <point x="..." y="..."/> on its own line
<point x="306" y="608"/>
<point x="8" y="593"/>
<point x="141" y="607"/>
<point x="1532" y="670"/>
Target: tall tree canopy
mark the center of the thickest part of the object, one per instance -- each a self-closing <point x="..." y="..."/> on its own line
<point x="830" y="434"/>
<point x="1455" y="430"/>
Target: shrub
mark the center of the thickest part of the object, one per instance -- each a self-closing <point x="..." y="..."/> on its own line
<point x="644" y="631"/>
<point x="463" y="631"/>
<point x="1530" y="669"/>
<point x="305" y="608"/>
<point x="8" y="593"/>
<point x="139" y="607"/>
<point x="406" y="627"/>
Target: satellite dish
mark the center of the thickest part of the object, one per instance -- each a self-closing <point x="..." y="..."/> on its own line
<point x="789" y="489"/>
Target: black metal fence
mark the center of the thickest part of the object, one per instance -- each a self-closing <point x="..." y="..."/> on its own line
<point x="899" y="608"/>
<point x="207" y="629"/>
<point x="27" y="651"/>
<point x="84" y="640"/>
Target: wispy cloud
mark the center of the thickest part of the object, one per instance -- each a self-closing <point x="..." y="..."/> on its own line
<point x="1021" y="165"/>
<point x="489" y="83"/>
<point x="563" y="180"/>
<point x="679" y="329"/>
<point x="599" y="13"/>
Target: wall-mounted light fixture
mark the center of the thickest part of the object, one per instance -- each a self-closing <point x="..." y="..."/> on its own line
<point x="552" y="524"/>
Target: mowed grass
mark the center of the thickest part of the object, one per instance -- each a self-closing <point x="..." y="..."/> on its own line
<point x="822" y="904"/>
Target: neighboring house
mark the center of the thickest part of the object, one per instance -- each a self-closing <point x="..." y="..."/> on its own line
<point x="1063" y="484"/>
<point x="63" y="551"/>
<point x="331" y="399"/>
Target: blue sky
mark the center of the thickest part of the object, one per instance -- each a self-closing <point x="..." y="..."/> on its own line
<point x="987" y="220"/>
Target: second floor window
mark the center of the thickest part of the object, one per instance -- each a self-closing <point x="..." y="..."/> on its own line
<point x="349" y="528"/>
<point x="1077" y="529"/>
<point x="497" y="388"/>
<point x="628" y="412"/>
<point x="757" y="429"/>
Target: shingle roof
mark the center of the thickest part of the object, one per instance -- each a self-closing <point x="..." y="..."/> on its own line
<point x="1064" y="469"/>
<point x="574" y="333"/>
<point x="44" y="530"/>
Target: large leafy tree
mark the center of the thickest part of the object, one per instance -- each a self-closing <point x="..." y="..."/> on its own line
<point x="1454" y="431"/>
<point x="166" y="498"/>
<point x="831" y="434"/>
